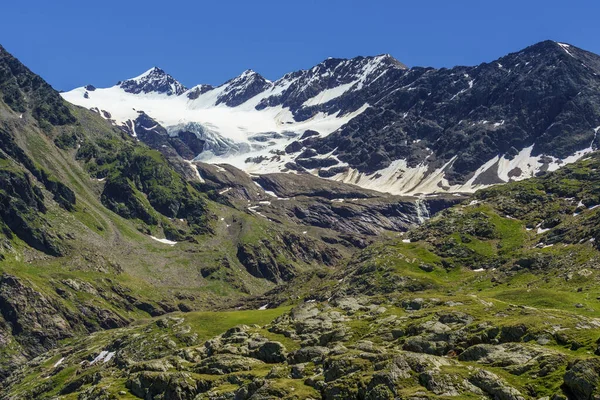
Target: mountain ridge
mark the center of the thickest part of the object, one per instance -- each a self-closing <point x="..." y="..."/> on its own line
<point x="377" y="124"/>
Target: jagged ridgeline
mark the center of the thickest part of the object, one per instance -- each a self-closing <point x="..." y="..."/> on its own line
<point x="128" y="272"/>
<point x="375" y="123"/>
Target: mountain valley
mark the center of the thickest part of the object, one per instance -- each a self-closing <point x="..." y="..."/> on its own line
<point x="359" y="230"/>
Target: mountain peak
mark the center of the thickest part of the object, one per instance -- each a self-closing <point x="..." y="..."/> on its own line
<point x="153" y="80"/>
<point x="549" y="46"/>
<point x="241" y="88"/>
<point x="246" y="76"/>
<point x="151" y="73"/>
<point x="390" y="60"/>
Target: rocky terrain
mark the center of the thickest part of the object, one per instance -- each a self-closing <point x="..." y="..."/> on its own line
<point x="476" y="303"/>
<point x="129" y="271"/>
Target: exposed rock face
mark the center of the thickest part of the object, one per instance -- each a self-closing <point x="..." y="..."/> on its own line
<point x="23" y="203"/>
<point x="230" y="182"/>
<point x="36" y="321"/>
<point x="494" y="386"/>
<point x="274" y="259"/>
<point x="201" y="139"/>
<point x="583" y="379"/>
<point x="241" y="89"/>
<point x="21" y="212"/>
<point x="178" y="386"/>
<point x="23" y="90"/>
<point x="185" y="143"/>
<point x="309" y="200"/>
<point x="287" y="185"/>
<point x="471" y="114"/>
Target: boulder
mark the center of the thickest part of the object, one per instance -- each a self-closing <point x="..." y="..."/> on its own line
<point x="583" y="379"/>
<point x="493" y="385"/>
<point x="270" y="352"/>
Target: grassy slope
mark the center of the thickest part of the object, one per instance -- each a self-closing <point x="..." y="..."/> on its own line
<point x="475" y="259"/>
<point x="131" y="275"/>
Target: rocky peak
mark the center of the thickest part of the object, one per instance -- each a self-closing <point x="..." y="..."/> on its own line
<point x="242" y="88"/>
<point x="387" y="59"/>
<point x="154" y="80"/>
<point x="354" y="67"/>
<point x="198" y="90"/>
<point x="550" y="54"/>
<point x="337" y="74"/>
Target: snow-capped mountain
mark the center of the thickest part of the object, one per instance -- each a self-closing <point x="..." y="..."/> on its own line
<point x="373" y="122"/>
<point x="155" y="80"/>
<point x="246" y="117"/>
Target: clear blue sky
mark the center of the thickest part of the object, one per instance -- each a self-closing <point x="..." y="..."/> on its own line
<point x="72" y="43"/>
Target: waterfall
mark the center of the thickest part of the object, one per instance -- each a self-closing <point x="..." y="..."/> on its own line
<point x="422" y="211"/>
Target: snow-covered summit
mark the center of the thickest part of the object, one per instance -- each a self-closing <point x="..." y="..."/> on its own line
<point x="154" y="80"/>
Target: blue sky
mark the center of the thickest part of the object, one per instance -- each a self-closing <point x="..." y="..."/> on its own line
<point x="72" y="43"/>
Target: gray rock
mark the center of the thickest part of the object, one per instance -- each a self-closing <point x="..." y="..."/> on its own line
<point x="500" y="355"/>
<point x="270" y="352"/>
<point x="583" y="379"/>
<point x="225" y="363"/>
<point x="456" y="318"/>
<point x="427" y="267"/>
<point x="308" y="354"/>
<point x="298" y="371"/>
<point x="440" y="384"/>
<point x="493" y="385"/>
<point x="413" y="304"/>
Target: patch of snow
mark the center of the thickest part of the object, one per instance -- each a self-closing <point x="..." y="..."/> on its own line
<point x="99" y="357"/>
<point x="254" y="209"/>
<point x="478" y="270"/>
<point x="56" y="364"/>
<point x="540" y="230"/>
<point x="566" y="48"/>
<point x="262" y="308"/>
<point x="195" y="169"/>
<point x="328" y="95"/>
<point x="405" y="240"/>
<point x="165" y="241"/>
<point x="109" y="356"/>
